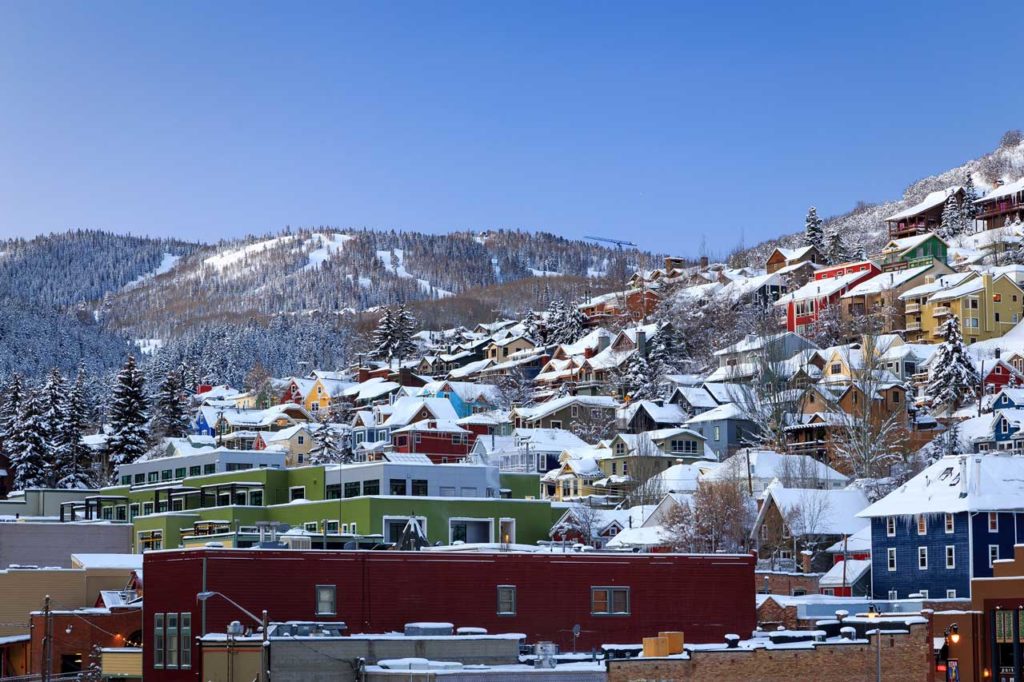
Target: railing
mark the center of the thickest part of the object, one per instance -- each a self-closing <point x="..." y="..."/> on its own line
<point x="913" y="307"/>
<point x="913" y="326"/>
<point x="940" y="311"/>
<point x="985" y="211"/>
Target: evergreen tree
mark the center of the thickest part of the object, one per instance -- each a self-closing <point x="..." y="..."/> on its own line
<point x="952" y="220"/>
<point x="566" y="322"/>
<point x="405" y="327"/>
<point x="327" y="447"/>
<point x="28" y="459"/>
<point x="53" y="403"/>
<point x="663" y="355"/>
<point x="953" y="375"/>
<point x="75" y="461"/>
<point x="530" y="328"/>
<point x="969" y="210"/>
<point x="635" y="381"/>
<point x="836" y="250"/>
<point x="384" y="336"/>
<point x="555" y="320"/>
<point x="814" y="230"/>
<point x="171" y="419"/>
<point x="128" y="417"/>
<point x="10" y="421"/>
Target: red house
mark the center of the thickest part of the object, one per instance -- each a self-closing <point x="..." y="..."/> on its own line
<point x="443" y="441"/>
<point x="612" y="597"/>
<point x="999" y="374"/>
<point x="805" y="305"/>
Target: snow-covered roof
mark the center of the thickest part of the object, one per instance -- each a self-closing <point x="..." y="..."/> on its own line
<point x="470" y="369"/>
<point x="956" y="483"/>
<point x="940" y="283"/>
<point x="725" y="392"/>
<point x="550" y="407"/>
<point x="790" y="254"/>
<point x="854" y="544"/>
<point x="661" y="414"/>
<point x="547" y="440"/>
<point x="767" y="464"/>
<point x="679" y="478"/>
<point x="933" y="199"/>
<point x="1004" y="191"/>
<point x="131" y="562"/>
<point x="435" y="425"/>
<point x="886" y="281"/>
<point x="722" y="412"/>
<point x="405" y="409"/>
<point x="845" y="572"/>
<point x="752" y="342"/>
<point x="696" y="396"/>
<point x="821" y="512"/>
<point x="644" y="536"/>
<point x="822" y="288"/>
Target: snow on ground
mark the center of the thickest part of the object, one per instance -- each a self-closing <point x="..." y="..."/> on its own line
<point x="166" y="264"/>
<point x="230" y="257"/>
<point x="545" y="273"/>
<point x="149" y="346"/>
<point x="329" y="244"/>
<point x="394" y="262"/>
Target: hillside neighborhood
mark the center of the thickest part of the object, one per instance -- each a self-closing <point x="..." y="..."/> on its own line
<point x="856" y="450"/>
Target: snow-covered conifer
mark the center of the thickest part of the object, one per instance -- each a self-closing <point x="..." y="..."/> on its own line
<point x="953" y="375"/>
<point x="28" y="456"/>
<point x="75" y="461"/>
<point x="128" y="416"/>
<point x="171" y="418"/>
<point x="814" y="230"/>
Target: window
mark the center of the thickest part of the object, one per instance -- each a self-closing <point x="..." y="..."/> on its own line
<point x="949" y="523"/>
<point x="718" y="433"/>
<point x="891" y="556"/>
<point x="354" y="531"/>
<point x="836" y="368"/>
<point x="209" y="468"/>
<point x="922" y="524"/>
<point x="333" y="527"/>
<point x="153" y="477"/>
<point x="993" y="554"/>
<point x="556" y="424"/>
<point x="297" y="493"/>
<point x="447" y="491"/>
<point x="195" y="471"/>
<point x="890" y="526"/>
<point x="133" y="511"/>
<point x="147" y="508"/>
<point x="950" y="556"/>
<point x="255" y="498"/>
<point x="186" y="640"/>
<point x="121" y="513"/>
<point x="179" y="473"/>
<point x="922" y="558"/>
<point x="950" y="594"/>
<point x="371" y="487"/>
<point x="396" y="486"/>
<point x="158" y="640"/>
<point x="166" y="475"/>
<point x="923" y="593"/>
<point x="352" y="489"/>
<point x="993" y="522"/>
<point x="140" y="479"/>
<point x="893" y="595"/>
<point x="419" y="488"/>
<point x="608" y="601"/>
<point x="172" y="640"/>
<point x="506" y="600"/>
<point x="126" y="480"/>
<point x="325" y="600"/>
<point x="310" y="526"/>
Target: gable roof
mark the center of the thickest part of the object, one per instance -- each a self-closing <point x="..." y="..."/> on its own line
<point x="933" y="199"/>
<point x="552" y="406"/>
<point x="829" y="511"/>
<point x="405" y="409"/>
<point x="958" y="483"/>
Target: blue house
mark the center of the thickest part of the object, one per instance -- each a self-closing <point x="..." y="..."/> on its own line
<point x="1008" y="399"/>
<point x="467" y="398"/>
<point x="946" y="526"/>
<point x="726" y="429"/>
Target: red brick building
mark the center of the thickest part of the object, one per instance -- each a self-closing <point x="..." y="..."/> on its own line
<point x="76" y="632"/>
<point x="613" y="598"/>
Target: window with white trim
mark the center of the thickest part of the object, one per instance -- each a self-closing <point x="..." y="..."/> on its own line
<point x="950" y="522"/>
<point x="922" y="558"/>
<point x="922" y="524"/>
<point x="890" y="526"/>
<point x="993" y="554"/>
<point x="993" y="522"/>
<point x="950" y="594"/>
<point x="506" y="600"/>
<point x="891" y="558"/>
<point x="950" y="556"/>
<point x="326" y="600"/>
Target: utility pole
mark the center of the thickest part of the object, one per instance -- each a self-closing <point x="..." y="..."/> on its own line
<point x="47" y="639"/>
<point x="265" y="649"/>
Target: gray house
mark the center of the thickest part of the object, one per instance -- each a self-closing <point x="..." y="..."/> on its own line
<point x="725" y="429"/>
<point x="778" y="346"/>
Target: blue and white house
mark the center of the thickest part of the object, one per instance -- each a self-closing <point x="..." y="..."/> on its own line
<point x="946" y="526"/>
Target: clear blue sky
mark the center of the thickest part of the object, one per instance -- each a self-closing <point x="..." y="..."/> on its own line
<point x="657" y="122"/>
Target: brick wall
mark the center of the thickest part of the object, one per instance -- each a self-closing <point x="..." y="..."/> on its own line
<point x="780" y="582"/>
<point x="74" y="634"/>
<point x="770" y="614"/>
<point x="906" y="657"/>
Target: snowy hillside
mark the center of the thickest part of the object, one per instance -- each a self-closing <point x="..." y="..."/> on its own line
<point x="865" y="225"/>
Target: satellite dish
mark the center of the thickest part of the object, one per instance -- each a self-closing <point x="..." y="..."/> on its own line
<point x="576" y="630"/>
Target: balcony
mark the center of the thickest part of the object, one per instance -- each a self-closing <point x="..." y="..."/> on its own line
<point x="913" y="308"/>
<point x="940" y="311"/>
<point x="913" y="326"/>
<point x="998" y="208"/>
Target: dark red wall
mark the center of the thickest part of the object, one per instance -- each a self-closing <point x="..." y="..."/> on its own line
<point x="113" y="629"/>
<point x="707" y="596"/>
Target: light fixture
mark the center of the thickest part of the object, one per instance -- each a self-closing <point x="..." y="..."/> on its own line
<point x="872" y="611"/>
<point x="953" y="633"/>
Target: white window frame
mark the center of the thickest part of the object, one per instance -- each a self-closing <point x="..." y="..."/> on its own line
<point x="993" y="550"/>
<point x="890" y="526"/>
<point x="950" y="556"/>
<point x="950" y="523"/>
<point x="922" y="558"/>
<point x="950" y="594"/>
<point x="893" y="595"/>
<point x="993" y="522"/>
<point x="489" y="520"/>
<point x="891" y="559"/>
<point x="297" y="487"/>
<point x="334" y="600"/>
<point x="922" y="524"/>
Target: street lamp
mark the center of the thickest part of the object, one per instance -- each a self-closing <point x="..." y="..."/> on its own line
<point x="953" y="634"/>
<point x="873" y="615"/>
<point x="263" y="622"/>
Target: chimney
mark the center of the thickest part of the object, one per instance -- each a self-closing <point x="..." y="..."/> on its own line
<point x="703" y="263"/>
<point x="603" y="341"/>
<point x="963" y="476"/>
<point x="997" y="353"/>
<point x="976" y="476"/>
<point x="641" y="342"/>
<point x="363" y="374"/>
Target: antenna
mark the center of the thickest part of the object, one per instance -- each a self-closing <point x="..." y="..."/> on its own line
<point x="618" y="242"/>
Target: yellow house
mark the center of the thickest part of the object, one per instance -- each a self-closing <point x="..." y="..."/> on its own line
<point x="986" y="306"/>
<point x="574" y="478"/>
<point x="311" y="393"/>
<point x="295" y="441"/>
